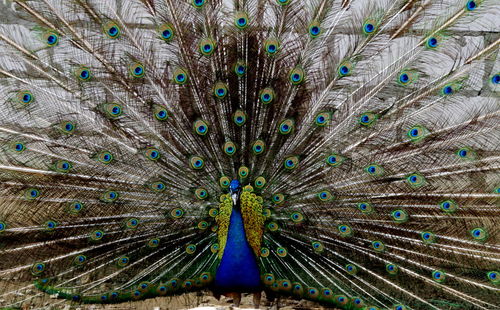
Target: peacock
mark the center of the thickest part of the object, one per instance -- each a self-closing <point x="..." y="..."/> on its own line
<point x="345" y="152"/>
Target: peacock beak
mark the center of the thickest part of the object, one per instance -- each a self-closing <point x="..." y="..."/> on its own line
<point x="235" y="197"/>
<point x="234" y="190"/>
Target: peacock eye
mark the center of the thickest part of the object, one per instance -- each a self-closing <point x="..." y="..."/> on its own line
<point x="109" y="196"/>
<point x="345" y="68"/>
<point x="75" y="207"/>
<point x="374" y="170"/>
<point x="345" y="230"/>
<point x="18" y="147"/>
<point x="201" y="193"/>
<point x="24" y="98"/>
<point x="52" y="40"/>
<point x="224" y="182"/>
<point x="297" y="217"/>
<point x="271" y="46"/>
<point x="407" y="77"/>
<point x="378" y="246"/>
<point x="207" y="47"/>
<point x="399" y="216"/>
<point x="365" y="207"/>
<point x="123" y="261"/>
<point x="177" y="213"/>
<point x="471" y="5"/>
<point x="111" y="29"/>
<point x="286" y="126"/>
<point x="317" y="246"/>
<point x="357" y="301"/>
<point x="220" y="90"/>
<point x="153" y="243"/>
<point x="323" y="119"/>
<point x="67" y="127"/>
<point x="196" y="162"/>
<point x="273" y="226"/>
<point x="260" y="182"/>
<point x="166" y="32"/>
<point x="62" y="166"/>
<point x="152" y="153"/>
<point x="479" y="234"/>
<point x="31" y="194"/>
<point x="432" y="42"/>
<point x="368" y="27"/>
<point x="335" y="160"/>
<point x="190" y="249"/>
<point x="38" y="268"/>
<point x="243" y="172"/>
<point x="200" y="127"/>
<point x="258" y="147"/>
<point x="428" y="237"/>
<point x="281" y="251"/>
<point x="112" y="110"/>
<point x="448" y="206"/>
<point x="132" y="223"/>
<point x="241" y="20"/>
<point x="416" y="179"/>
<point x="240" y="70"/>
<point x="325" y="196"/>
<point x="239" y="118"/>
<point x="160" y="112"/>
<point x="351" y="269"/>
<point x="105" y="157"/>
<point x="267" y="95"/>
<point x="97" y="235"/>
<point x="297" y="76"/>
<point x="493" y="277"/>
<point x="198" y="3"/>
<point x="291" y="162"/>
<point x="438" y="276"/>
<point x="83" y="73"/>
<point x="417" y="133"/>
<point x="180" y="76"/>
<point x="283" y="2"/>
<point x="136" y="70"/>
<point x="314" y="29"/>
<point x="495" y="79"/>
<point x="367" y="119"/>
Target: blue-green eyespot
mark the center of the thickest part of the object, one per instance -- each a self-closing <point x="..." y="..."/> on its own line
<point x="314" y="29"/>
<point x="166" y="32"/>
<point x="241" y="20"/>
<point x="258" y="147"/>
<point x="111" y="29"/>
<point x="136" y="70"/>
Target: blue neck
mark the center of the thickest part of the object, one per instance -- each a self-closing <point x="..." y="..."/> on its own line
<point x="238" y="270"/>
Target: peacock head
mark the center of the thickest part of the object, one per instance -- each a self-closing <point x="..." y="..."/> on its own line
<point x="235" y="190"/>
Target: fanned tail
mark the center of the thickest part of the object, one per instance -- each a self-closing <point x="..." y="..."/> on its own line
<point x="365" y="135"/>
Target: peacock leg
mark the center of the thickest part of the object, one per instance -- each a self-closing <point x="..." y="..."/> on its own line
<point x="256" y="299"/>
<point x="236" y="299"/>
